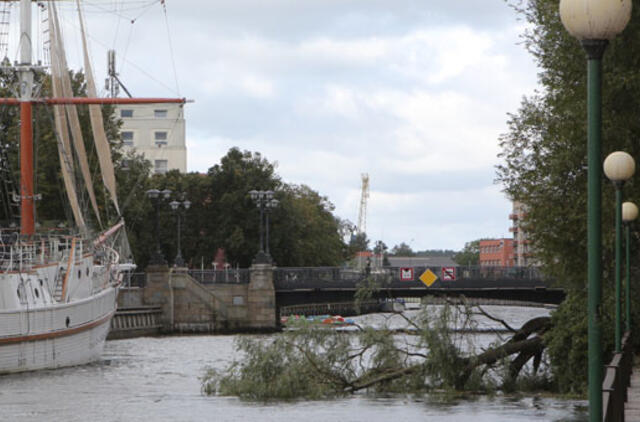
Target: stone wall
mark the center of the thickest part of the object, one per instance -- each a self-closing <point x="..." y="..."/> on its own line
<point x="188" y="306"/>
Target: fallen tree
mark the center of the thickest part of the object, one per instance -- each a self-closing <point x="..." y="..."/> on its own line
<point x="315" y="362"/>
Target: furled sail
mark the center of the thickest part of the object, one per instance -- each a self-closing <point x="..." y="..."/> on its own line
<point x="63" y="89"/>
<point x="61" y="123"/>
<point x="95" y="113"/>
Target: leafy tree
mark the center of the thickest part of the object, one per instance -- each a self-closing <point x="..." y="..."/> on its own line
<point x="359" y="242"/>
<point x="303" y="229"/>
<point x="402" y="250"/>
<point x="381" y="249"/>
<point x="305" y="232"/>
<point x="436" y="253"/>
<point x="53" y="208"/>
<point x="544" y="166"/>
<point x="469" y="255"/>
<point x="316" y="362"/>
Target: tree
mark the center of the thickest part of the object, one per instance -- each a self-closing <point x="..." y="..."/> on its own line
<point x="402" y="250"/>
<point x="359" y="242"/>
<point x="303" y="229"/>
<point x="305" y="232"/>
<point x="469" y="255"/>
<point x="53" y="208"/>
<point x="318" y="362"/>
<point x="436" y="253"/>
<point x="544" y="166"/>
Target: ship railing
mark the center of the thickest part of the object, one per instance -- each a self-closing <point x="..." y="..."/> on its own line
<point x="19" y="254"/>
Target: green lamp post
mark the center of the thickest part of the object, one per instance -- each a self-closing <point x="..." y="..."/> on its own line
<point x="594" y="23"/>
<point x="629" y="213"/>
<point x="619" y="167"/>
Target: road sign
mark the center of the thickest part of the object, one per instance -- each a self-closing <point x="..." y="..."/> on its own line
<point x="448" y="273"/>
<point x="428" y="278"/>
<point x="406" y="274"/>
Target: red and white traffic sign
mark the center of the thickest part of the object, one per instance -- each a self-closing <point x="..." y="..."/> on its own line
<point x="406" y="274"/>
<point x="448" y="273"/>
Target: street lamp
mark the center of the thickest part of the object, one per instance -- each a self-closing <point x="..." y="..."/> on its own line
<point x="594" y="23"/>
<point x="619" y="167"/>
<point x="261" y="199"/>
<point x="156" y="196"/>
<point x="269" y="205"/>
<point x="629" y="213"/>
<point x="178" y="207"/>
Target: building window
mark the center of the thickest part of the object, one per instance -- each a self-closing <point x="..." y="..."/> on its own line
<point x="126" y="113"/>
<point x="160" y="114"/>
<point x="160" y="138"/>
<point x="127" y="137"/>
<point x="161" y="166"/>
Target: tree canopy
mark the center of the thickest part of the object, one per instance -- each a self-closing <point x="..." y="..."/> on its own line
<point x="52" y="209"/>
<point x="544" y="166"/>
<point x="469" y="255"/>
<point x="303" y="230"/>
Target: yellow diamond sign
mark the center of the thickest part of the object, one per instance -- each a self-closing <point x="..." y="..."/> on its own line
<point x="428" y="278"/>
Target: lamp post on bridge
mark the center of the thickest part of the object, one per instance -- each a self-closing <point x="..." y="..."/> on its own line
<point x="180" y="207"/>
<point x="265" y="202"/>
<point x="629" y="214"/>
<point x="619" y="167"/>
<point x="156" y="196"/>
<point x="269" y="206"/>
<point x="594" y="23"/>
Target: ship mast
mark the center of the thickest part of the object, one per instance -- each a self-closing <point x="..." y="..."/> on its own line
<point x="27" y="207"/>
<point x="25" y="70"/>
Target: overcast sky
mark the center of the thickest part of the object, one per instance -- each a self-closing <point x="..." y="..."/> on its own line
<point x="414" y="93"/>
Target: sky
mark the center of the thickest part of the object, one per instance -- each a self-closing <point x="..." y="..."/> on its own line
<point x="415" y="93"/>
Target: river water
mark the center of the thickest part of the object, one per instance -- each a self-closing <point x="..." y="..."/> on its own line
<point x="157" y="379"/>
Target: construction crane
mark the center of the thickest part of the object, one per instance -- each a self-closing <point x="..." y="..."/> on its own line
<point x="364" y="196"/>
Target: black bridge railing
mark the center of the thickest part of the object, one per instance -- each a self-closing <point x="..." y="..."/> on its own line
<point x="409" y="277"/>
<point x="226" y="276"/>
<point x="616" y="381"/>
<point x="290" y="278"/>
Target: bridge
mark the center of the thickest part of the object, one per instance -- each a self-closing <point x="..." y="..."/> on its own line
<point x="167" y="300"/>
<point x="296" y="286"/>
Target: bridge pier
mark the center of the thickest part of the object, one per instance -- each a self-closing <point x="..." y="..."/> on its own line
<point x="261" y="298"/>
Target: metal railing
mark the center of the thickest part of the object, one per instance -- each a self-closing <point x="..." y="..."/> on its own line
<point x="398" y="277"/>
<point x="131" y="279"/>
<point x="616" y="381"/>
<point x="226" y="276"/>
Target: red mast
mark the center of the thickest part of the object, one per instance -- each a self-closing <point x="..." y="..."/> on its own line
<point x="27" y="210"/>
<point x="26" y="101"/>
<point x="27" y="206"/>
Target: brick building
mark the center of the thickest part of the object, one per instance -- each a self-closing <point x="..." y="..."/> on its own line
<point x="497" y="253"/>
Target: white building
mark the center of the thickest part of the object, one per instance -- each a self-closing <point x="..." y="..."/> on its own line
<point x="157" y="131"/>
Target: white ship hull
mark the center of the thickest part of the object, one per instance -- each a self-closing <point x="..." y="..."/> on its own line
<point x="57" y="313"/>
<point x="44" y="344"/>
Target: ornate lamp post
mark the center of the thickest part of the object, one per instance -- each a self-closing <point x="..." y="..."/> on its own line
<point x="180" y="207"/>
<point x="629" y="213"/>
<point x="619" y="167"/>
<point x="156" y="196"/>
<point x="594" y="23"/>
<point x="262" y="198"/>
<point x="269" y="206"/>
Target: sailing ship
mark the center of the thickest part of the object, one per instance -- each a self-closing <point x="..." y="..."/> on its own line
<point x="58" y="291"/>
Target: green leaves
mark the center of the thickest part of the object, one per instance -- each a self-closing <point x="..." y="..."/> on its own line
<point x="302" y="232"/>
<point x="544" y="166"/>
